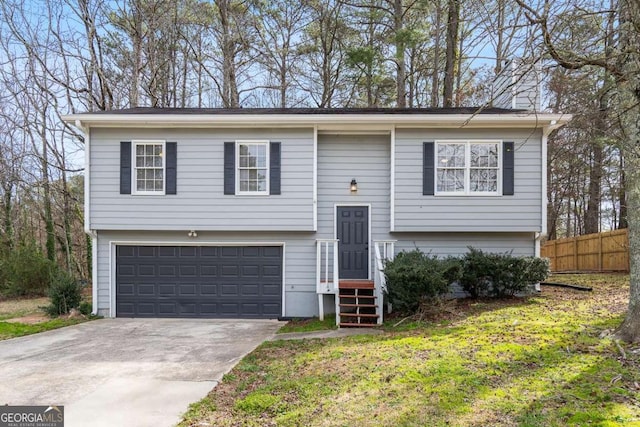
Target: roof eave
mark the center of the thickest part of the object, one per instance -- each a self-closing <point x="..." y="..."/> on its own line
<point x="526" y="120"/>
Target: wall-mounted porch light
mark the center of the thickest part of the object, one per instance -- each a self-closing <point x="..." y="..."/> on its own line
<point x="354" y="185"/>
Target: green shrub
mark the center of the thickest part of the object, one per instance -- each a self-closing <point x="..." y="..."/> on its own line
<point x="26" y="272"/>
<point x="64" y="294"/>
<point x="414" y="278"/>
<point x="477" y="269"/>
<point x="500" y="274"/>
<point x="85" y="308"/>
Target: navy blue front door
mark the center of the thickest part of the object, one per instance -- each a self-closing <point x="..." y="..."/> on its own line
<point x="353" y="248"/>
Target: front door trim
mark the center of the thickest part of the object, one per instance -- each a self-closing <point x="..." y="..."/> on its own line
<point x="335" y="227"/>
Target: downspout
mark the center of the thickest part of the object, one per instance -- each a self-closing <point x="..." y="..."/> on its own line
<point x="87" y="217"/>
<point x="546" y="130"/>
<point x="537" y="239"/>
<point x="94" y="272"/>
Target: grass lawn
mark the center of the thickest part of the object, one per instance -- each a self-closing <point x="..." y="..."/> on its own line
<point x="309" y="325"/>
<point x="543" y="361"/>
<point x="19" y="317"/>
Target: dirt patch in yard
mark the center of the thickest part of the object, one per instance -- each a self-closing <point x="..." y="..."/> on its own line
<point x="31" y="319"/>
<point x="23" y="307"/>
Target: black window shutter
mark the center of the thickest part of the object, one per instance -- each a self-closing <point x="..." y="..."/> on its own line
<point x="428" y="165"/>
<point x="229" y="168"/>
<point x="507" y="168"/>
<point x="125" y="167"/>
<point x="171" y="186"/>
<point x="274" y="168"/>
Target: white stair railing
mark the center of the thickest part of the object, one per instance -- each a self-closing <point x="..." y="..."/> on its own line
<point x="326" y="271"/>
<point x="384" y="251"/>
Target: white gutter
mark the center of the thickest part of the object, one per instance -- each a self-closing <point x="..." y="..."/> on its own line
<point x="323" y="121"/>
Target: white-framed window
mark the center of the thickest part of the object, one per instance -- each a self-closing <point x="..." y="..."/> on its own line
<point x="252" y="167"/>
<point x="468" y="167"/>
<point x="148" y="167"/>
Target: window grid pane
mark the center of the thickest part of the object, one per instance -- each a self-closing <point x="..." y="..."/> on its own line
<point x="149" y="168"/>
<point x="467" y="167"/>
<point x="252" y="167"/>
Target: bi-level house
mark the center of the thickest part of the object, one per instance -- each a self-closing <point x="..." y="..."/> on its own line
<point x="270" y="213"/>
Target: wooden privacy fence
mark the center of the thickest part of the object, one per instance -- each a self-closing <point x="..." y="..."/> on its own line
<point x="607" y="251"/>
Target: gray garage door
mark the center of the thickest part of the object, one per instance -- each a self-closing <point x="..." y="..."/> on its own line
<point x="199" y="281"/>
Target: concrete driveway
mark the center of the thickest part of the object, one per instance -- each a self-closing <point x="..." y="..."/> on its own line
<point x="125" y="372"/>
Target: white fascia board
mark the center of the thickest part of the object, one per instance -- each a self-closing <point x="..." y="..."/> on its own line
<point x="323" y="121"/>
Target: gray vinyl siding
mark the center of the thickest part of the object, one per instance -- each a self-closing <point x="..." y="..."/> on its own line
<point x="299" y="259"/>
<point x="456" y="244"/>
<point x="300" y="255"/>
<point x="521" y="212"/>
<point x="200" y="203"/>
<point x="342" y="158"/>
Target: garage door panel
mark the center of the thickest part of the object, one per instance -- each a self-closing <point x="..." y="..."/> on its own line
<point x="126" y="309"/>
<point x="230" y="270"/>
<point x="208" y="289"/>
<point x="188" y="251"/>
<point x="126" y="270"/>
<point x="166" y="281"/>
<point x="250" y="290"/>
<point x="167" y="271"/>
<point x="209" y="251"/>
<point x="271" y="271"/>
<point x="126" y="289"/>
<point x="188" y="309"/>
<point x="208" y="270"/>
<point x="147" y="251"/>
<point x="271" y="290"/>
<point x="250" y="271"/>
<point x="272" y="252"/>
<point x="187" y="289"/>
<point x="271" y="309"/>
<point x="251" y="251"/>
<point x="166" y="308"/>
<point x="147" y="270"/>
<point x="146" y="289"/>
<point x="144" y="308"/>
<point x="167" y="290"/>
<point x="228" y="290"/>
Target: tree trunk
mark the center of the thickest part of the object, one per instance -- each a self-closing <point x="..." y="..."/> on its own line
<point x="401" y="73"/>
<point x="500" y="34"/>
<point x="46" y="195"/>
<point x="134" y="101"/>
<point x="230" y="98"/>
<point x="435" y="73"/>
<point x="592" y="213"/>
<point x="451" y="56"/>
<point x="622" y="197"/>
<point x="8" y="220"/>
<point x="629" y="108"/>
<point x="629" y="330"/>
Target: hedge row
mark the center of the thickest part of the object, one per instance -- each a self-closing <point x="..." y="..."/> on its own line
<point x="414" y="278"/>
